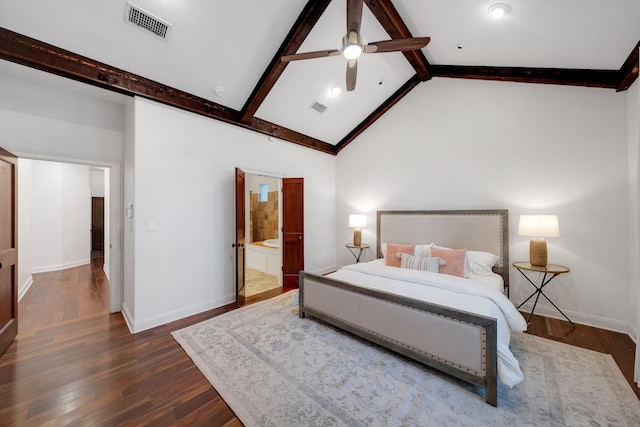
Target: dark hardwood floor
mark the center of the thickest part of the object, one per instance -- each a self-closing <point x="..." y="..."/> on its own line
<point x="74" y="363"/>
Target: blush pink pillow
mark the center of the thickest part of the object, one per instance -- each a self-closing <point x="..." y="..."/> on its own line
<point x="392" y="258"/>
<point x="454" y="258"/>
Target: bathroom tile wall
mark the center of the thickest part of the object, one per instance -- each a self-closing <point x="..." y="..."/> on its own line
<point x="263" y="217"/>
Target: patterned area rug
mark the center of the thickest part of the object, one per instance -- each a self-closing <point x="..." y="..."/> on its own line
<point x="275" y="369"/>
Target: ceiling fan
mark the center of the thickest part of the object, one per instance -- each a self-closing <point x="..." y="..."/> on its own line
<point x="353" y="47"/>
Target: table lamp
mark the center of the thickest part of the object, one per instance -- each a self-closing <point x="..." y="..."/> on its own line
<point x="538" y="227"/>
<point x="357" y="222"/>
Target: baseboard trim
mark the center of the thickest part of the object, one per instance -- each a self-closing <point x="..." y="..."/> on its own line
<point x="106" y="272"/>
<point x="581" y="318"/>
<point x="128" y="318"/>
<point x="57" y="267"/>
<point x="139" y="325"/>
<point x="22" y="289"/>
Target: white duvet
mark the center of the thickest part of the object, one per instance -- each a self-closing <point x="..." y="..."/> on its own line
<point x="450" y="291"/>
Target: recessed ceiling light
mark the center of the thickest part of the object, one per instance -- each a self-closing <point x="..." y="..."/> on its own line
<point x="219" y="91"/>
<point x="499" y="10"/>
<point x="335" y="91"/>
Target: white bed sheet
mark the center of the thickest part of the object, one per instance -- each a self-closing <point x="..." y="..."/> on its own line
<point x="451" y="291"/>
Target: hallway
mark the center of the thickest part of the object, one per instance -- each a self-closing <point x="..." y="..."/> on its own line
<point x="61" y="296"/>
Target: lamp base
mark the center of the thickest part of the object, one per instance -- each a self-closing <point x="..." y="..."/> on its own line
<point x="357" y="237"/>
<point x="538" y="252"/>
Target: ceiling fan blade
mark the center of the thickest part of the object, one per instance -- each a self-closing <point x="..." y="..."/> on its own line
<point x="397" y="45"/>
<point x="311" y="55"/>
<point x="354" y="15"/>
<point x="352" y="72"/>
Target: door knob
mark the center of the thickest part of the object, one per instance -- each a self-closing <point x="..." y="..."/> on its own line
<point x="299" y="237"/>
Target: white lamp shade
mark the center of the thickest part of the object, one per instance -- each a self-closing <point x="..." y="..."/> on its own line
<point x="539" y="226"/>
<point x="357" y="221"/>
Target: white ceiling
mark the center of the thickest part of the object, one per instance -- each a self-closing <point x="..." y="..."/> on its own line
<point x="229" y="44"/>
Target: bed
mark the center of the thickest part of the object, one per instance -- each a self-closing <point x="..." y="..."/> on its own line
<point x="464" y="322"/>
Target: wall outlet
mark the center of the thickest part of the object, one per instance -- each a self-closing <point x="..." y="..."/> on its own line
<point x="187" y="291"/>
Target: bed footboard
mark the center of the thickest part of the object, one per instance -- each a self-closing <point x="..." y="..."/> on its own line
<point x="458" y="343"/>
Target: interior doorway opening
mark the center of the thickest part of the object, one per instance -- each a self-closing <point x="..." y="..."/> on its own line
<point x="263" y="222"/>
<point x="31" y="252"/>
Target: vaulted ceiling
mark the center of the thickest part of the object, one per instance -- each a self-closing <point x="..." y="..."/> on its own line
<point x="222" y="58"/>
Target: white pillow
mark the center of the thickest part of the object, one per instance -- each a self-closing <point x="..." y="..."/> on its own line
<point x="420" y="262"/>
<point x="481" y="263"/>
<point x="423" y="250"/>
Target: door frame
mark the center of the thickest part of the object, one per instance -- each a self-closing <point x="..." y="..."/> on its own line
<point x="115" y="272"/>
<point x="280" y="179"/>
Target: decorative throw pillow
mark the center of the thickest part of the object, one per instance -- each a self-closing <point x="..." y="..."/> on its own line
<point x="423" y="250"/>
<point x="392" y="250"/>
<point x="420" y="263"/>
<point x="454" y="260"/>
<point x="481" y="263"/>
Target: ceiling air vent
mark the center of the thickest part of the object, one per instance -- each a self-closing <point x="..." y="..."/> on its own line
<point x="318" y="107"/>
<point x="147" y="21"/>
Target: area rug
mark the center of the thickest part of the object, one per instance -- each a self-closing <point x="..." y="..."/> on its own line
<point x="275" y="369"/>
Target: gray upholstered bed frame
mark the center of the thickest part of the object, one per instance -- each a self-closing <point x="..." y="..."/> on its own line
<point x="458" y="343"/>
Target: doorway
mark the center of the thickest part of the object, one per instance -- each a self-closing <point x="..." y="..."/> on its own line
<point x="289" y="244"/>
<point x="40" y="245"/>
<point x="97" y="226"/>
<point x="263" y="222"/>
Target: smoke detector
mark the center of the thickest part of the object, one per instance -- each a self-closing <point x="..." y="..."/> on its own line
<point x="145" y="20"/>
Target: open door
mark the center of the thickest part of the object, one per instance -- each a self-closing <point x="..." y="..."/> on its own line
<point x="97" y="224"/>
<point x="8" y="249"/>
<point x="240" y="238"/>
<point x="292" y="232"/>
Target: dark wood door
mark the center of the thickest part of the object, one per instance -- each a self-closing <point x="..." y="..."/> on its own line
<point x="292" y="231"/>
<point x="8" y="249"/>
<point x="97" y="223"/>
<point x="240" y="238"/>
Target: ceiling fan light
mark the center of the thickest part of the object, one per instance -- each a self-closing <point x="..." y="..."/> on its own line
<point x="499" y="10"/>
<point x="352" y="51"/>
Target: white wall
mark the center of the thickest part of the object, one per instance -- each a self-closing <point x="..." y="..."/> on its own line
<point x="76" y="215"/>
<point x="463" y="144"/>
<point x="184" y="185"/>
<point x="96" y="181"/>
<point x="128" y="305"/>
<point x="46" y="219"/>
<point x="60" y="216"/>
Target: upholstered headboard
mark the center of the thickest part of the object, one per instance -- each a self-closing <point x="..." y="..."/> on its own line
<point x="478" y="230"/>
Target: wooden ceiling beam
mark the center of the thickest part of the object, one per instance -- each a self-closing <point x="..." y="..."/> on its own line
<point x="559" y="76"/>
<point x="307" y="19"/>
<point x="390" y="19"/>
<point x="629" y="70"/>
<point x="379" y="112"/>
<point x="32" y="53"/>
